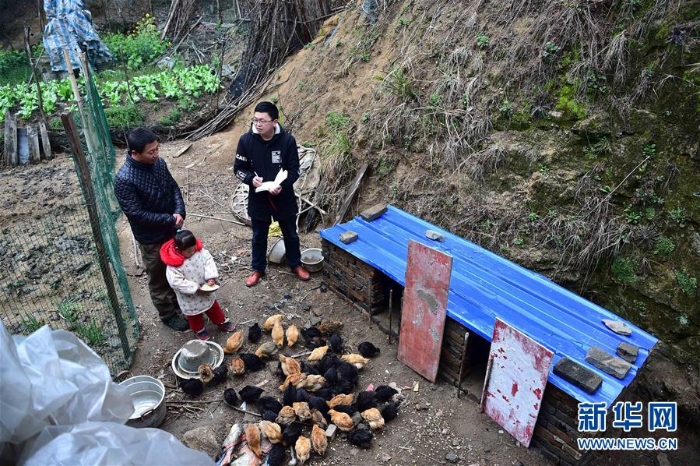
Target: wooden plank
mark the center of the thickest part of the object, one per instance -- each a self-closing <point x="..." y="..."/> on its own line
<point x="515" y="385"/>
<point x="33" y="142"/>
<point x="11" y="156"/>
<point x="351" y="193"/>
<point x="424" y="309"/>
<point x="45" y="142"/>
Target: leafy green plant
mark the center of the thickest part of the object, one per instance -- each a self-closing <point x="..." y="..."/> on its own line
<point x="140" y="47"/>
<point x="91" y="332"/>
<point x="31" y="324"/>
<point x="569" y="104"/>
<point x="550" y="50"/>
<point x="172" y="118"/>
<point x="518" y="241"/>
<point x="127" y="116"/>
<point x="664" y="246"/>
<point x="678" y="215"/>
<point x="649" y="150"/>
<point x="533" y="217"/>
<point x="68" y="310"/>
<point x="436" y="99"/>
<point x="482" y="40"/>
<point x="398" y="84"/>
<point x="506" y="108"/>
<point x="542" y="168"/>
<point x="688" y="283"/>
<point x="623" y="269"/>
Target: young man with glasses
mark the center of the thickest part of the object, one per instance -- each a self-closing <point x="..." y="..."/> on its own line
<point x="262" y="152"/>
<point x="152" y="202"/>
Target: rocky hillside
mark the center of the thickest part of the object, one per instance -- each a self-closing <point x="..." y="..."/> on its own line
<point x="562" y="135"/>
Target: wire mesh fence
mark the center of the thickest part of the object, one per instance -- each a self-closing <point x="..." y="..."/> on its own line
<point x="63" y="268"/>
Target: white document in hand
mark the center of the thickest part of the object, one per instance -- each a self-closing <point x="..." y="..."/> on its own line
<point x="268" y="185"/>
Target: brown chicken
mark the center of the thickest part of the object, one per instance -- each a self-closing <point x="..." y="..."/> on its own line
<point x="289" y="365"/>
<point x="318" y="419"/>
<point x="298" y="380"/>
<point x="319" y="440"/>
<point x="302" y="410"/>
<point x="303" y="449"/>
<point x="286" y="416"/>
<point x="314" y="383"/>
<point x="318" y="353"/>
<point x="340" y="400"/>
<point x="374" y="418"/>
<point x="234" y="342"/>
<point x="272" y="431"/>
<point x="327" y="327"/>
<point x="355" y="359"/>
<point x="206" y="373"/>
<point x="278" y="334"/>
<point x="236" y="366"/>
<point x="292" y="335"/>
<point x="342" y="420"/>
<point x="252" y="437"/>
<point x="270" y="322"/>
<point x="267" y="350"/>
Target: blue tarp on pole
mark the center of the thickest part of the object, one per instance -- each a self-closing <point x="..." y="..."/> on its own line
<point x="70" y="27"/>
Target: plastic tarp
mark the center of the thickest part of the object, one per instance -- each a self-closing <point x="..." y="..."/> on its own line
<point x="58" y="405"/>
<point x="69" y="27"/>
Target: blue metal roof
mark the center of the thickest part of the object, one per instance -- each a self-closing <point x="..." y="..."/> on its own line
<point x="485" y="286"/>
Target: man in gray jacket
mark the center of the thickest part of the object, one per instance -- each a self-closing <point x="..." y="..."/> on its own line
<point x="152" y="202"/>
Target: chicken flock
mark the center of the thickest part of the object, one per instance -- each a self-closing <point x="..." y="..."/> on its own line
<point x="313" y="393"/>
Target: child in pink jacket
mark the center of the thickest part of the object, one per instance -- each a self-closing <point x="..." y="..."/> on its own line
<point x="190" y="266"/>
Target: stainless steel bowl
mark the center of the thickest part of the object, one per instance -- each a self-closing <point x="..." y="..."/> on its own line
<point x="312" y="259"/>
<point x="148" y="397"/>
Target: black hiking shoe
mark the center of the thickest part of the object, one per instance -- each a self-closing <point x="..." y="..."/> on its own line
<point x="177" y="323"/>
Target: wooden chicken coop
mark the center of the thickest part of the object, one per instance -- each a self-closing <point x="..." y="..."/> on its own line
<point x="367" y="255"/>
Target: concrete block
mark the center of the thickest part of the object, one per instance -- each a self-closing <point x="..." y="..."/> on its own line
<point x="607" y="362"/>
<point x="331" y="431"/>
<point x="618" y="327"/>
<point x="574" y="373"/>
<point x="373" y="212"/>
<point x="628" y="352"/>
<point x="348" y="237"/>
<point x="434" y="235"/>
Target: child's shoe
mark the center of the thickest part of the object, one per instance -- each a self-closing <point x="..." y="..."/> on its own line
<point x="202" y="335"/>
<point x="227" y="326"/>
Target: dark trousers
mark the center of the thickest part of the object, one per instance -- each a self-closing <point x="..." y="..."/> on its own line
<point x="261" y="228"/>
<point x="215" y="314"/>
<point x="162" y="296"/>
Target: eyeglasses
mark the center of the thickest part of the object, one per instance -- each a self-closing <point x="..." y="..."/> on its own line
<point x="260" y="122"/>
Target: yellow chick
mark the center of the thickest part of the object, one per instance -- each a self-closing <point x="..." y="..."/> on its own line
<point x="292" y="335"/>
<point x="252" y="437"/>
<point x="318" y="353"/>
<point x="303" y="449"/>
<point x="289" y="365"/>
<point x="341" y="400"/>
<point x="319" y="440"/>
<point x="236" y="366"/>
<point x="302" y="410"/>
<point x="342" y="420"/>
<point x="298" y="380"/>
<point x="286" y="416"/>
<point x="314" y="382"/>
<point x="374" y="418"/>
<point x="272" y="431"/>
<point x="270" y="322"/>
<point x="278" y="334"/>
<point x="266" y="350"/>
<point x="355" y="359"/>
<point x="234" y="342"/>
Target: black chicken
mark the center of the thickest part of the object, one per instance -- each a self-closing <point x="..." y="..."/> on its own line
<point x="343" y="386"/>
<point x="254" y="333"/>
<point x="192" y="387"/>
<point x="367" y="349"/>
<point x="250" y="393"/>
<point x="318" y="403"/>
<point x="269" y="416"/>
<point x="389" y="411"/>
<point x="331" y="375"/>
<point x="348" y="372"/>
<point x="268" y="403"/>
<point x="307" y="369"/>
<point x="220" y="375"/>
<point x="252" y="362"/>
<point x="291" y="433"/>
<point x="347" y="409"/>
<point x="361" y="438"/>
<point x="277" y="456"/>
<point x="302" y="395"/>
<point x="328" y="361"/>
<point x="336" y="343"/>
<point x="366" y="400"/>
<point x="290" y="395"/>
<point x="325" y="393"/>
<point x="231" y="397"/>
<point x="383" y="393"/>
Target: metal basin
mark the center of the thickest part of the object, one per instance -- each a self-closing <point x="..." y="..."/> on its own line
<point x="148" y="397"/>
<point x="312" y="259"/>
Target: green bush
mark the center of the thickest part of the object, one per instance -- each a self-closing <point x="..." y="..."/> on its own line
<point x="623" y="270"/>
<point x="688" y="283"/>
<point x="140" y="47"/>
<point x="664" y="246"/>
<point x="127" y="116"/>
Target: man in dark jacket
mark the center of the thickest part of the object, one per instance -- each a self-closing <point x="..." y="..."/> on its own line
<point x="262" y="152"/>
<point x="151" y="200"/>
